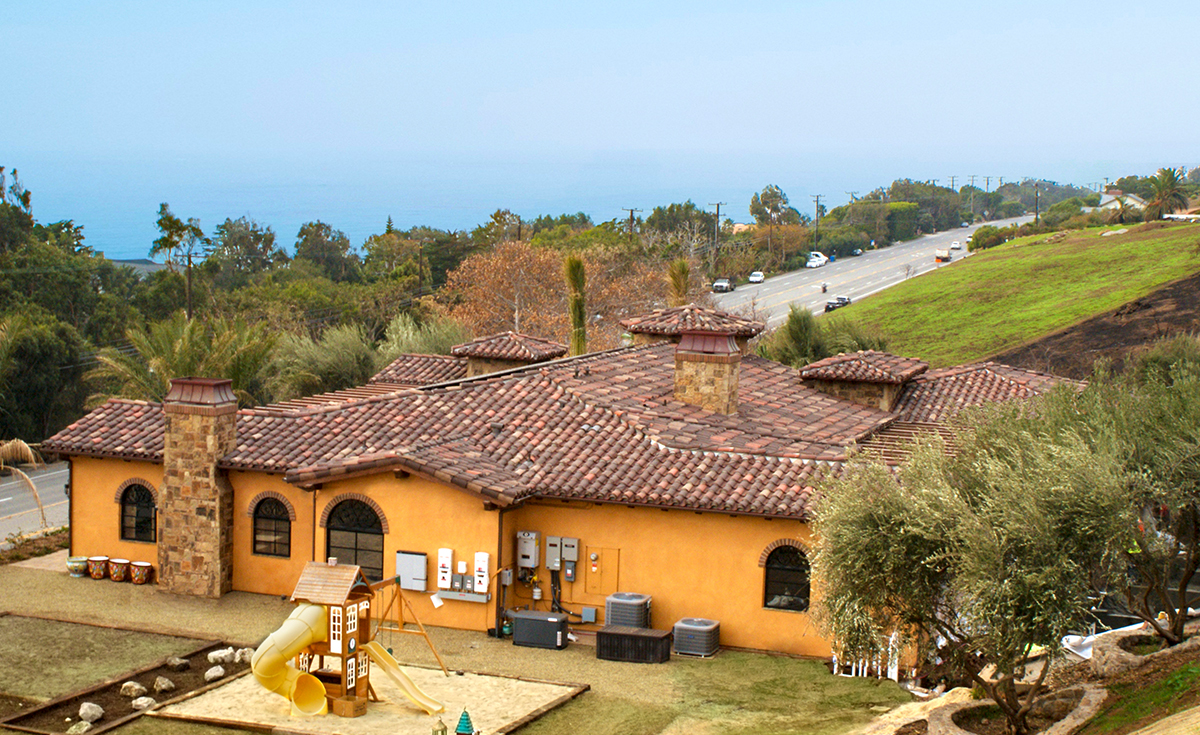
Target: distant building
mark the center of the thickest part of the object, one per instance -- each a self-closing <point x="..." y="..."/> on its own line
<point x="1111" y="200"/>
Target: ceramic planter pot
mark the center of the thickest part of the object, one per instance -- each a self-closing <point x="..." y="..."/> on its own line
<point x="118" y="569"/>
<point x="140" y="571"/>
<point x="97" y="567"/>
<point x="77" y="566"/>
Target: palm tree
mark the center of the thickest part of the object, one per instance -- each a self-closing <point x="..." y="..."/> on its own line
<point x="1123" y="213"/>
<point x="679" y="277"/>
<point x="1168" y="194"/>
<point x="13" y="452"/>
<point x="179" y="347"/>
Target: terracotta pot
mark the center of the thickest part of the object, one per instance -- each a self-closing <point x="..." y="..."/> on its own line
<point x="140" y="571"/>
<point x="97" y="567"/>
<point x="118" y="569"/>
<point x="77" y="566"/>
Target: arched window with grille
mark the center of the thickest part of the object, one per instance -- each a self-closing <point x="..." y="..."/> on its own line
<point x="786" y="579"/>
<point x="138" y="515"/>
<point x="272" y="528"/>
<point x="354" y="534"/>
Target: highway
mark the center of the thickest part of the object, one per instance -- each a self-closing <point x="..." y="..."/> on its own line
<point x="18" y="510"/>
<point x="856" y="277"/>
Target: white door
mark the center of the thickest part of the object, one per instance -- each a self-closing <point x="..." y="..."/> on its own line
<point x="335" y="629"/>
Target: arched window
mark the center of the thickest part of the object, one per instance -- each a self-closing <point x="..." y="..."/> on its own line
<point x="272" y="528"/>
<point x="355" y="536"/>
<point x="138" y="521"/>
<point x="786" y="580"/>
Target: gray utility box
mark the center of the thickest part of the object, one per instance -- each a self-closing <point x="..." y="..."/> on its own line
<point x="539" y="629"/>
<point x="697" y="637"/>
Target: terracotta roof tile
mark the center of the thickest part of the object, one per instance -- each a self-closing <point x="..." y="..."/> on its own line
<point x="510" y="346"/>
<point x="603" y="427"/>
<point x="866" y="366"/>
<point x="939" y="394"/>
<point x="692" y="318"/>
<point x="418" y="370"/>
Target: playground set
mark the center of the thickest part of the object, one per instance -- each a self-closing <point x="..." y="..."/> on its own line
<point x="322" y="657"/>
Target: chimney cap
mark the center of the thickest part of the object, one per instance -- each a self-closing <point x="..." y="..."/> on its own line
<point x="707" y="343"/>
<point x="201" y="391"/>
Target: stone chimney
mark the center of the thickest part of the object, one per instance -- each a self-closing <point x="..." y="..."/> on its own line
<point x="195" y="536"/>
<point x="707" y="365"/>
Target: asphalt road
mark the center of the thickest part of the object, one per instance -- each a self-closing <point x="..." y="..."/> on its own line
<point x="856" y="277"/>
<point x="18" y="509"/>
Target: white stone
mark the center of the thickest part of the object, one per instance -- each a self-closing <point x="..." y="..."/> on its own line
<point x="144" y="702"/>
<point x="163" y="684"/>
<point x="216" y="672"/>
<point x="79" y="727"/>
<point x="90" y="711"/>
<point x="222" y="656"/>
<point x="244" y="655"/>
<point x="132" y="689"/>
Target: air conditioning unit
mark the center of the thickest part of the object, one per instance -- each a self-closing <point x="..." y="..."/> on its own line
<point x="697" y="637"/>
<point x="627" y="609"/>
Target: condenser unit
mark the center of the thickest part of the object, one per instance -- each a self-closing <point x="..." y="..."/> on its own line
<point x="697" y="637"/>
<point x="627" y="609"/>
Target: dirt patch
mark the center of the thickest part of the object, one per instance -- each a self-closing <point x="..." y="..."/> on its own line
<point x="989" y="720"/>
<point x="920" y="727"/>
<point x="28" y="548"/>
<point x="78" y="655"/>
<point x="10" y="705"/>
<point x="60" y="715"/>
<point x="1172" y="310"/>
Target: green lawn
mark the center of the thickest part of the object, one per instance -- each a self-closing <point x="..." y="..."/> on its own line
<point x="1023" y="290"/>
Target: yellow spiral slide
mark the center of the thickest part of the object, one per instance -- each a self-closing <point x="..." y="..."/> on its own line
<point x="271" y="662"/>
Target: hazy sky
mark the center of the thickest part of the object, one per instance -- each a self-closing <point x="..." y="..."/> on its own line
<point x="818" y="97"/>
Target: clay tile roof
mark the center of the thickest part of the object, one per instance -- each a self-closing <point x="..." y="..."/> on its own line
<point x="939" y="394"/>
<point x="865" y="367"/>
<point x="326" y="585"/>
<point x="120" y="428"/>
<point x="510" y="346"/>
<point x="692" y="318"/>
<point x="338" y="396"/>
<point x="418" y="370"/>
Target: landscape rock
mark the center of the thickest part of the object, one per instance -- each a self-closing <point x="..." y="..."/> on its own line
<point x="163" y="684"/>
<point x="222" y="656"/>
<point x="144" y="702"/>
<point x="216" y="672"/>
<point x="178" y="664"/>
<point x="90" y="712"/>
<point x="132" y="689"/>
<point x="79" y="727"/>
<point x="1057" y="705"/>
<point x="244" y="655"/>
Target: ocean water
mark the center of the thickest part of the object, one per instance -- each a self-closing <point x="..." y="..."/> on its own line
<point x="117" y="199"/>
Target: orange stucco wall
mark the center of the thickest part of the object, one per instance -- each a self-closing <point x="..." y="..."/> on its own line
<point x="693" y="565"/>
<point x="96" y="508"/>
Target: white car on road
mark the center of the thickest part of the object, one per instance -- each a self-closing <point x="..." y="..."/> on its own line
<point x="816" y="260"/>
<point x="756" y="277"/>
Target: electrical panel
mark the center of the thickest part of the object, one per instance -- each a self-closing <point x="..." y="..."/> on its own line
<point x="445" y="568"/>
<point x="570" y="549"/>
<point x="506" y="577"/>
<point x="569" y="571"/>
<point x="410" y="568"/>
<point x="553" y="553"/>
<point x="456" y="582"/>
<point x="527" y="549"/>
<point x="482" y="559"/>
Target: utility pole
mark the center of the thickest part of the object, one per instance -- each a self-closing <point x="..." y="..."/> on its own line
<point x="816" y="222"/>
<point x="952" y="178"/>
<point x="189" y="286"/>
<point x="716" y="236"/>
<point x="972" y="177"/>
<point x="1037" y="193"/>
<point x="631" y="211"/>
<point x="987" y="181"/>
<point x="853" y="196"/>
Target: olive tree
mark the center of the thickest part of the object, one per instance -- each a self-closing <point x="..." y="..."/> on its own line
<point x="974" y="556"/>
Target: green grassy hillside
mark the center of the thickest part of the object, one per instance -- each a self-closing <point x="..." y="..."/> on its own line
<point x="1023" y="290"/>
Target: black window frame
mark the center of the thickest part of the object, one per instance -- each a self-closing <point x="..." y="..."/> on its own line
<point x="272" y="521"/>
<point x="349" y="519"/>
<point x="138" y="523"/>
<point x="787" y="580"/>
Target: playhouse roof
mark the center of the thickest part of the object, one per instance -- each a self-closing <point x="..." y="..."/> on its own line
<point x="328" y="585"/>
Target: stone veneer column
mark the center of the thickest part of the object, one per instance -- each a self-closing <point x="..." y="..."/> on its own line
<point x="195" y="505"/>
<point x="707" y="366"/>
